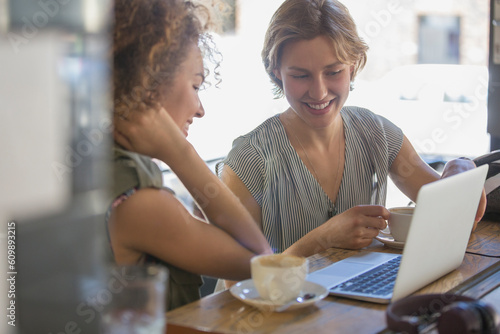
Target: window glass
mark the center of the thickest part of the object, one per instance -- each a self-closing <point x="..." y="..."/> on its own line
<point x="438" y="39"/>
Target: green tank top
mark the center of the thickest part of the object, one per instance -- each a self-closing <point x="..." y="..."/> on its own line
<point x="132" y="171"/>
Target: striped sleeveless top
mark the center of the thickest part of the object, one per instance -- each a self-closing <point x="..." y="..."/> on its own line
<point x="292" y="201"/>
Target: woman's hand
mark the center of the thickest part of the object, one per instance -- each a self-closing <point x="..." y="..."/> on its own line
<point x="148" y="130"/>
<point x="352" y="229"/>
<point x="356" y="227"/>
<point x="461" y="165"/>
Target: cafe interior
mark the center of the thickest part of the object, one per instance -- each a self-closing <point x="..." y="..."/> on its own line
<point x="57" y="135"/>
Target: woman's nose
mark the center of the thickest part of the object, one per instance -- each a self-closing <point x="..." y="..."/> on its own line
<point x="201" y="111"/>
<point x="318" y="90"/>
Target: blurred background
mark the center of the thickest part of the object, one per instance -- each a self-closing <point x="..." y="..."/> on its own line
<point x="431" y="70"/>
<point x="404" y="37"/>
<point x="54" y="139"/>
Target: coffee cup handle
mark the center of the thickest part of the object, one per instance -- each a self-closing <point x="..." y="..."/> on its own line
<point x="386" y="230"/>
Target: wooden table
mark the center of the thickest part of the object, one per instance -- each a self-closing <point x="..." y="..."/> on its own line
<point x="477" y="277"/>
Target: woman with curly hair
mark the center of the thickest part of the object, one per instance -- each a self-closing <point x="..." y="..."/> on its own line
<point x="157" y="72"/>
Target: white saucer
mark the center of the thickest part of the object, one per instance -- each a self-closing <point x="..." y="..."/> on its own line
<point x="388" y="240"/>
<point x="247" y="293"/>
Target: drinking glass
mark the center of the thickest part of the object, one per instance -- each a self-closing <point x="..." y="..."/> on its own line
<point x="137" y="305"/>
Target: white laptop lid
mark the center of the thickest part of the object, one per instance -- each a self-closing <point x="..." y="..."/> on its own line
<point x="440" y="229"/>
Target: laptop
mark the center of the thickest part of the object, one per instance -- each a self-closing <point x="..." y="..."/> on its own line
<point x="436" y="244"/>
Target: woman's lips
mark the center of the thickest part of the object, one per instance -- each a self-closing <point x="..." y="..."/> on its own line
<point x="186" y="129"/>
<point x="319" y="108"/>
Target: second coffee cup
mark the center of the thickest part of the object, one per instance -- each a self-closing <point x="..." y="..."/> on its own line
<point x="279" y="278"/>
<point x="399" y="222"/>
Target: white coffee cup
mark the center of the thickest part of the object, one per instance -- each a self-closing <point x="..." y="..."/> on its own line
<point x="279" y="278"/>
<point x="400" y="221"/>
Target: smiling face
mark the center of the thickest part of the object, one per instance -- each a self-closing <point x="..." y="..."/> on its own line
<point x="180" y="99"/>
<point x="315" y="83"/>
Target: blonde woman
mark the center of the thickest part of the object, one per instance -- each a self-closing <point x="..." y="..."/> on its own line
<point x="315" y="176"/>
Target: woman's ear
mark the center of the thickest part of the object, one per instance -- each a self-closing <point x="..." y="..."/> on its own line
<point x="277" y="74"/>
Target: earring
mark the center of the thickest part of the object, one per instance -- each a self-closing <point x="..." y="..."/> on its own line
<point x="351" y="86"/>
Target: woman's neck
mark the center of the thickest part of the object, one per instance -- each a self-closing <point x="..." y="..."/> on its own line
<point x="325" y="137"/>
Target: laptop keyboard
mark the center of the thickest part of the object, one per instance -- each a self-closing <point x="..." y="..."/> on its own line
<point x="378" y="281"/>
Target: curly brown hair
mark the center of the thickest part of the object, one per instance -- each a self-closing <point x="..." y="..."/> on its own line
<point x="306" y="19"/>
<point x="150" y="40"/>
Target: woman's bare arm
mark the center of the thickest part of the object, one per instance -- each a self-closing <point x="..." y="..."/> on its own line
<point x="152" y="132"/>
<point x="154" y="222"/>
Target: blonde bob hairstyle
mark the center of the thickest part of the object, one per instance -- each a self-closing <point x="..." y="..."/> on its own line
<point x="306" y="19"/>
